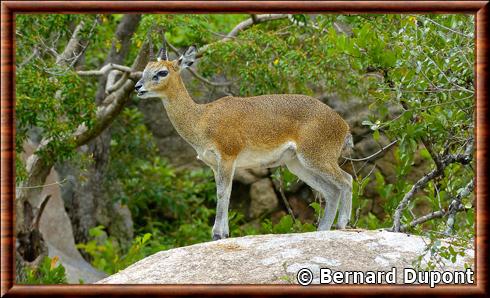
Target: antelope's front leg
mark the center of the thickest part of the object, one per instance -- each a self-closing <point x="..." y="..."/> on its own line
<point x="223" y="175"/>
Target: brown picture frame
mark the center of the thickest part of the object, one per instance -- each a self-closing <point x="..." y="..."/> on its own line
<point x="10" y="8"/>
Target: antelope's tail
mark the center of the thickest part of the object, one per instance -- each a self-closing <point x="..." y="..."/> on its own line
<point x="348" y="143"/>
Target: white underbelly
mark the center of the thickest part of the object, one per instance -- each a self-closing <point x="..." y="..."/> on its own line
<point x="266" y="158"/>
<point x="255" y="158"/>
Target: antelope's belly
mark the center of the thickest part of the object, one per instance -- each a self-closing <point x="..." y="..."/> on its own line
<point x="255" y="158"/>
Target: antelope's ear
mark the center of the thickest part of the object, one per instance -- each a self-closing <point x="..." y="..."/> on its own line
<point x="188" y="58"/>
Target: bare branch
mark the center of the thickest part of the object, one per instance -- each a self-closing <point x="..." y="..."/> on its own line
<point x="76" y="45"/>
<point x="433" y="215"/>
<point x="118" y="84"/>
<point x="456" y="205"/>
<point x="104" y="70"/>
<point x="280" y="187"/>
<point x="454" y="208"/>
<point x="421" y="183"/>
<point x="374" y="155"/>
<point x="447" y="28"/>
<point x="206" y="81"/>
<point x="241" y="27"/>
<point x="116" y="100"/>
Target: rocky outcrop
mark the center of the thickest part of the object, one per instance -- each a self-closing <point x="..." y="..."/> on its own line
<point x="276" y="259"/>
<point x="56" y="228"/>
<point x="263" y="198"/>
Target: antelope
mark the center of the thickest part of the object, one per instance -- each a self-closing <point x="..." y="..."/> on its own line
<point x="297" y="131"/>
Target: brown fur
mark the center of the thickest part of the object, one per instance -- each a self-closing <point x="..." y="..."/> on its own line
<point x="269" y="130"/>
<point x="231" y="124"/>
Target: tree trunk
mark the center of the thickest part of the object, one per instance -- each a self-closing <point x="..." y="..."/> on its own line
<point x="87" y="203"/>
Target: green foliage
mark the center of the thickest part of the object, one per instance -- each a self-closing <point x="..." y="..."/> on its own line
<point x="177" y="204"/>
<point x="438" y="253"/>
<point x="286" y="225"/>
<point x="283" y="175"/>
<point x="108" y="256"/>
<point x="49" y="96"/>
<point x="46" y="273"/>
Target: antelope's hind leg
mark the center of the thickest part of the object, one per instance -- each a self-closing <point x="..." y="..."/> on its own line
<point x="340" y="184"/>
<point x="223" y="175"/>
<point x="345" y="209"/>
<point x="330" y="191"/>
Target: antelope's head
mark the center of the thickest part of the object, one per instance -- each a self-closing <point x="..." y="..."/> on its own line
<point x="160" y="76"/>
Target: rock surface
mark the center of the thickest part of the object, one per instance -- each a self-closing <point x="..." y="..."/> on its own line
<point x="276" y="259"/>
<point x="263" y="198"/>
<point x="57" y="231"/>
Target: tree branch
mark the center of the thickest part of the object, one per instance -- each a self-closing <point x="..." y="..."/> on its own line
<point x="241" y="27"/>
<point x="447" y="28"/>
<point x="39" y="164"/>
<point x="454" y="208"/>
<point x="456" y="205"/>
<point x="421" y="183"/>
<point x="72" y="47"/>
<point x="116" y="100"/>
<point x="104" y="70"/>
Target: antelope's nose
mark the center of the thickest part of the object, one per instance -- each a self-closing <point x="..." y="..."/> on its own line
<point x="138" y="86"/>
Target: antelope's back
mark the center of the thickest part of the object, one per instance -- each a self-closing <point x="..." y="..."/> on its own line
<point x="268" y="120"/>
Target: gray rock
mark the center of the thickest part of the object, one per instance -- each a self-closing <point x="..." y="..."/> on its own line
<point x="245" y="176"/>
<point x="276" y="259"/>
<point x="57" y="231"/>
<point x="249" y="176"/>
<point x="263" y="198"/>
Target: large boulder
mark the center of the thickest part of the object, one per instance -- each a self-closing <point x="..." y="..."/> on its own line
<point x="276" y="259"/>
<point x="57" y="231"/>
<point x="263" y="198"/>
<point x="56" y="228"/>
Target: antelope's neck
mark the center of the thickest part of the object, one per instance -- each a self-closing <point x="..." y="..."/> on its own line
<point x="184" y="113"/>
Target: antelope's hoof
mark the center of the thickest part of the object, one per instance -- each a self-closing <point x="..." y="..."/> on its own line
<point x="218" y="236"/>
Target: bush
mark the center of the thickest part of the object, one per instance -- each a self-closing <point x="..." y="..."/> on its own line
<point x="46" y="273"/>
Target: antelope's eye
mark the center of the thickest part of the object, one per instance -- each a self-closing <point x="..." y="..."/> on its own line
<point x="162" y="73"/>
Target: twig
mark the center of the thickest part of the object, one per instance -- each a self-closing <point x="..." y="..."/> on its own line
<point x="283" y="196"/>
<point x="445" y="76"/>
<point x="204" y="80"/>
<point x="447" y="28"/>
<point x="423" y="219"/>
<point x="104" y="70"/>
<point x="34" y="53"/>
<point x="374" y="155"/>
<point x="44" y="185"/>
<point x="241" y="27"/>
